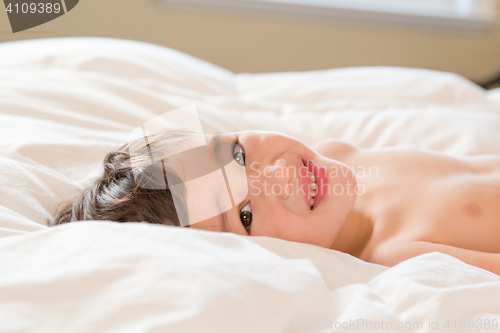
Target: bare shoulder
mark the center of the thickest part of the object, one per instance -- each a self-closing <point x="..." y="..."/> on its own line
<point x="335" y="148"/>
<point x="392" y="253"/>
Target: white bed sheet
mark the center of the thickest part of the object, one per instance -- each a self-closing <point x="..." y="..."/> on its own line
<point x="65" y="103"/>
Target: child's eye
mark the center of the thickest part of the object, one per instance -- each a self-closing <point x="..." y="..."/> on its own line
<point x="238" y="154"/>
<point x="246" y="216"/>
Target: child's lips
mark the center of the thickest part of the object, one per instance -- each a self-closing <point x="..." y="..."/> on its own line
<point x="305" y="181"/>
<point x="308" y="183"/>
<point x="320" y="173"/>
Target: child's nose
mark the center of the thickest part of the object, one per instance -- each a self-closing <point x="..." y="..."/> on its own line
<point x="277" y="176"/>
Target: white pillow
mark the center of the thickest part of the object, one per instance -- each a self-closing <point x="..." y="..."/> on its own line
<point x="494" y="95"/>
<point x="65" y="103"/>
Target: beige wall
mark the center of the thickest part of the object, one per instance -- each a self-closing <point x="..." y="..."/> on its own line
<point x="252" y="44"/>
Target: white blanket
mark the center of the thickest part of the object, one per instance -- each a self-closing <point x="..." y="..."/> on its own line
<point x="65" y="103"/>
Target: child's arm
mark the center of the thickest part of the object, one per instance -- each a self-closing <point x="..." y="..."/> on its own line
<point x="392" y="253"/>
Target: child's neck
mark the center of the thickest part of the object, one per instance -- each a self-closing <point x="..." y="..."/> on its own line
<point x="354" y="234"/>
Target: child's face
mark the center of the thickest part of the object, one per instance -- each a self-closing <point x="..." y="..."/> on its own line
<point x="280" y="188"/>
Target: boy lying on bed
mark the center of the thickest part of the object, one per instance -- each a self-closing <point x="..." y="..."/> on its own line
<point x="380" y="205"/>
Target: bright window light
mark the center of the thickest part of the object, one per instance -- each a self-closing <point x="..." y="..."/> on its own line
<point x="454" y="15"/>
<point x="451" y="8"/>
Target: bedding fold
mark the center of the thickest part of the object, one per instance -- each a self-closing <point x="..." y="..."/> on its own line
<point x="66" y="102"/>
